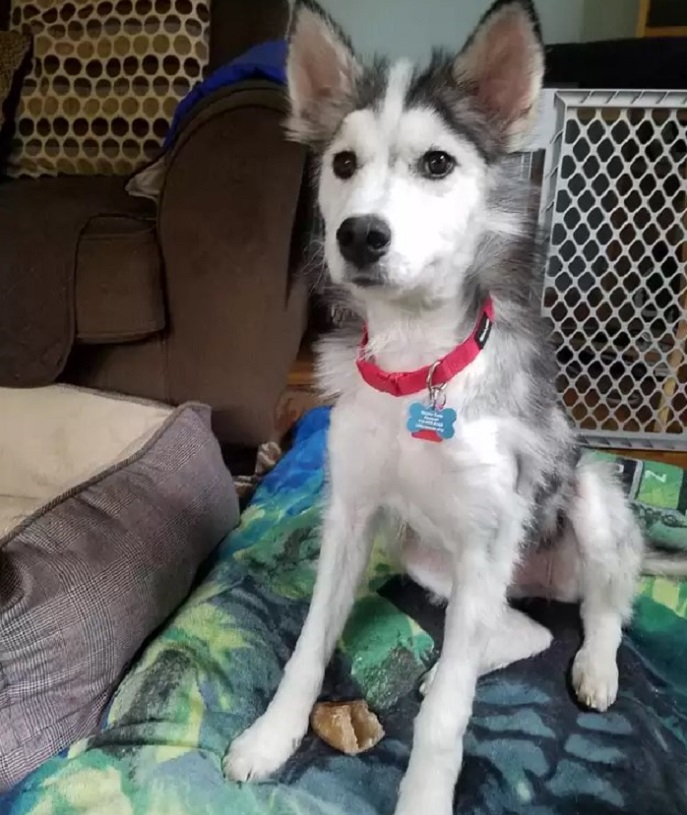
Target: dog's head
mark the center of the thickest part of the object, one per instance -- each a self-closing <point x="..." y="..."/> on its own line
<point x="406" y="155"/>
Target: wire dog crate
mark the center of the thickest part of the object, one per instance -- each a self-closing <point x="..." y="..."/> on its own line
<point x="614" y="208"/>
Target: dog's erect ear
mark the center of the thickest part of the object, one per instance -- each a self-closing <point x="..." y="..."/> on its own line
<point x="322" y="71"/>
<point x="502" y="64"/>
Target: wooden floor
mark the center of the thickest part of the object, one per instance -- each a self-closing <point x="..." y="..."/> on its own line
<point x="665" y="456"/>
<point x="301" y="396"/>
<point x="302" y="371"/>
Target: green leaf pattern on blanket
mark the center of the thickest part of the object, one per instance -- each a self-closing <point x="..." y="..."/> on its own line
<point x="529" y="749"/>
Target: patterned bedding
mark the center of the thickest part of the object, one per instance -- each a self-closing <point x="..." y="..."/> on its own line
<point x="530" y="748"/>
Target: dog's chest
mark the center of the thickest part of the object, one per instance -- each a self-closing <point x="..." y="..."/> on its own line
<point x="431" y="474"/>
<point x="416" y="478"/>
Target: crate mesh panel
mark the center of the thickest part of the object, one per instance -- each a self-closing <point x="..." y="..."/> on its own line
<point x="615" y="286"/>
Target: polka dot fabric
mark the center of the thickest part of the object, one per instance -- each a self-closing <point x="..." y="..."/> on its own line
<point x="13" y="48"/>
<point x="106" y="79"/>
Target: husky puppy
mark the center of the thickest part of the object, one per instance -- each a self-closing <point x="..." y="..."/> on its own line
<point x="447" y="424"/>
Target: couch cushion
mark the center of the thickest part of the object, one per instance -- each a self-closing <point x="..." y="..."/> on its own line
<point x="107" y="508"/>
<point x="41" y="223"/>
<point x="118" y="281"/>
<point x="106" y="79"/>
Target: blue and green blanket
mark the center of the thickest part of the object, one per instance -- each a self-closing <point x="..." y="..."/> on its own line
<point x="530" y="748"/>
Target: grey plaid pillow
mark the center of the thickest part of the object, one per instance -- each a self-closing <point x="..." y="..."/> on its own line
<point x="85" y="578"/>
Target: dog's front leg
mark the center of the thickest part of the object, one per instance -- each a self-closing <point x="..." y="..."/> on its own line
<point x="481" y="575"/>
<point x="273" y="738"/>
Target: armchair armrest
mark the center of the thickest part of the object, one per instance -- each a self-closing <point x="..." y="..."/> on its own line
<point x="227" y="226"/>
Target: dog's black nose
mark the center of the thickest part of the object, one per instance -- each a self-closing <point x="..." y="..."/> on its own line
<point x="364" y="239"/>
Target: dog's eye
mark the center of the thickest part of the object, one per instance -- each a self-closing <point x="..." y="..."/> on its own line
<point x="344" y="164"/>
<point x="436" y="164"/>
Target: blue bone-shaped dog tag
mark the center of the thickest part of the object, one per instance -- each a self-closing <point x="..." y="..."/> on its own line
<point x="431" y="424"/>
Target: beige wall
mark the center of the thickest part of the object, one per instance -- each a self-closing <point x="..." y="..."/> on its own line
<point x="411" y="28"/>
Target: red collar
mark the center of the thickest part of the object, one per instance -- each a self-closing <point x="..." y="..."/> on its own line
<point x="442" y="371"/>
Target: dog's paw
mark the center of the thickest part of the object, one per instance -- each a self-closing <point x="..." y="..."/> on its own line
<point x="595" y="680"/>
<point x="260" y="751"/>
<point x="427" y="680"/>
<point x="423" y="799"/>
<point x="417" y="796"/>
<point x="414" y="807"/>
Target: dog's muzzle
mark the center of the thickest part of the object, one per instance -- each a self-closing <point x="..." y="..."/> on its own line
<point x="363" y="241"/>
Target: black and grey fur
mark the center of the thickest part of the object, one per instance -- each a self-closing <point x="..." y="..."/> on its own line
<point x="412" y="176"/>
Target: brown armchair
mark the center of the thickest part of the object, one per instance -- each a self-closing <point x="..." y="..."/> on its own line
<point x="194" y="301"/>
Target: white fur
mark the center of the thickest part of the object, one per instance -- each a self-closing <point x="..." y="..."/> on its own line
<point x="429" y="219"/>
<point x="459" y="502"/>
